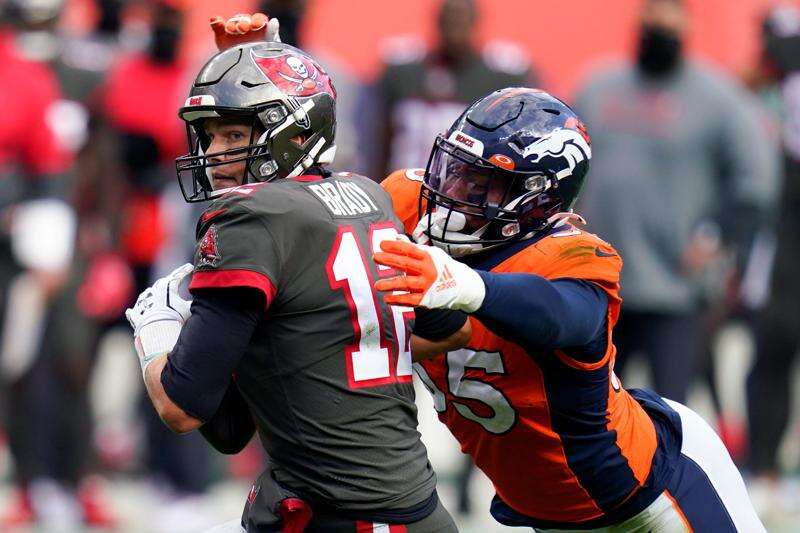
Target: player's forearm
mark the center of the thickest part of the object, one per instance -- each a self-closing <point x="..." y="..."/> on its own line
<point x="437" y="331"/>
<point x="534" y="311"/>
<point x="422" y="349"/>
<point x="232" y="426"/>
<point x="172" y="415"/>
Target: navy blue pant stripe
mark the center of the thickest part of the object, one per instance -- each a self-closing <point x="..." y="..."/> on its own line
<point x="698" y="499"/>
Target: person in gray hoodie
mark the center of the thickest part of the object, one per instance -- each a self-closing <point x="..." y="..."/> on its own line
<point x="682" y="171"/>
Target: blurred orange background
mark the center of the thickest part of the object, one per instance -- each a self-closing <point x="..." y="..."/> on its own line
<point x="565" y="39"/>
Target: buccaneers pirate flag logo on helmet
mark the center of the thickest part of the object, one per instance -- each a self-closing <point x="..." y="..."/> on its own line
<point x="295" y="74"/>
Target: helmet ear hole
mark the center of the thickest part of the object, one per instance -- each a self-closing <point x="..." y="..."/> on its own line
<point x="536" y="210"/>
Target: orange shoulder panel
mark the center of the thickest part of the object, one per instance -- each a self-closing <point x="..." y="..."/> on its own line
<point x="572" y="253"/>
<point x="403" y="187"/>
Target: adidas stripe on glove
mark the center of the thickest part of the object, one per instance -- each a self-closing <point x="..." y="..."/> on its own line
<point x="430" y="278"/>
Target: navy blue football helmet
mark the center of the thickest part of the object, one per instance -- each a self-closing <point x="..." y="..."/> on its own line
<point x="510" y="163"/>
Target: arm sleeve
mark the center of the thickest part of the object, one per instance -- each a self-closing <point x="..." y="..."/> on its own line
<point x="437" y="324"/>
<point x="211" y="344"/>
<point x="533" y="311"/>
<point x="232" y="426"/>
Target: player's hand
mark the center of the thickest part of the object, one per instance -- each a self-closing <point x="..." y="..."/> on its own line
<point x="703" y="250"/>
<point x="431" y="278"/>
<point x="159" y="315"/>
<point x="243" y="28"/>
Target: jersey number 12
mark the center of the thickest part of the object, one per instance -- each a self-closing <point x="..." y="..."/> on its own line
<point x="369" y="357"/>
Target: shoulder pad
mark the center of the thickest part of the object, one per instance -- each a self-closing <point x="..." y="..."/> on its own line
<point x="571" y="253"/>
<point x="569" y="237"/>
<point x="402" y="50"/>
<point x="259" y="198"/>
<point x="579" y="254"/>
<point x="364" y="181"/>
<point x="403" y="187"/>
<point x="506" y="57"/>
<point x="226" y="206"/>
<point x="405" y="174"/>
<point x="349" y="175"/>
<point x="408" y="179"/>
<point x="416" y="174"/>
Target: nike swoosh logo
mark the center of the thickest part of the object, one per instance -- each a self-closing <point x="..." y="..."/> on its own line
<point x="208" y="215"/>
<point x="600" y="253"/>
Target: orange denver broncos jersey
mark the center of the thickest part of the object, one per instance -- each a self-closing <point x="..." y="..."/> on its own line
<point x="560" y="439"/>
<point x="403" y="187"/>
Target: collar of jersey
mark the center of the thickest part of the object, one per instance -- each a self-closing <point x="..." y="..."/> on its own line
<point x="491" y="258"/>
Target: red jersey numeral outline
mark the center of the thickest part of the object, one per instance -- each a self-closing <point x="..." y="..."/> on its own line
<point x="361" y="280"/>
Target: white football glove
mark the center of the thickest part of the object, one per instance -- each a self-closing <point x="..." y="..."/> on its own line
<point x="431" y="278"/>
<point x="159" y="315"/>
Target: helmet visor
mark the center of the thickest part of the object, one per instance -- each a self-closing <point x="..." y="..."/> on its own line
<point x="461" y="177"/>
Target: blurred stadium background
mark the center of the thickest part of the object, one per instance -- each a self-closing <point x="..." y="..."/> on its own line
<point x="88" y="134"/>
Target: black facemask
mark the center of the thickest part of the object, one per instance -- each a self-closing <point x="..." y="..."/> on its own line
<point x="164" y="44"/>
<point x="659" y="51"/>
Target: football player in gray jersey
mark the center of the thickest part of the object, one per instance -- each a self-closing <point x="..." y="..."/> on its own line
<point x="285" y="334"/>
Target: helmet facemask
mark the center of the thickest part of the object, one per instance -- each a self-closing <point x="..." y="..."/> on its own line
<point x="194" y="170"/>
<point x="473" y="204"/>
<point x="282" y="93"/>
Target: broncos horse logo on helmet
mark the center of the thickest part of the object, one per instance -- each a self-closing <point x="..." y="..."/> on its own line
<point x="510" y="163"/>
<point x="282" y="92"/>
<point x="568" y="144"/>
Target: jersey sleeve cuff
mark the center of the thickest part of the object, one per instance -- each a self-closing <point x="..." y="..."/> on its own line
<point x="218" y="279"/>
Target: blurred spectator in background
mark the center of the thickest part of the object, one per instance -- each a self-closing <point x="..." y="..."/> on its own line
<point x="420" y="93"/>
<point x="739" y="287"/>
<point x="46" y="349"/>
<point x="681" y="167"/>
<point x="137" y="103"/>
<point x="291" y="14"/>
<point x="777" y="78"/>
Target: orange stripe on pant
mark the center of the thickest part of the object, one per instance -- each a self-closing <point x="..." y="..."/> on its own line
<point x="636" y="434"/>
<point x="679" y="511"/>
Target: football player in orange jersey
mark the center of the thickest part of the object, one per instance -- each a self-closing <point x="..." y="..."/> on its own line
<point x="534" y="398"/>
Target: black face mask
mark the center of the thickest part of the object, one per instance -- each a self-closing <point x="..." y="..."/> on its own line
<point x="110" y="15"/>
<point x="290" y="23"/>
<point x="164" y="44"/>
<point x="659" y="51"/>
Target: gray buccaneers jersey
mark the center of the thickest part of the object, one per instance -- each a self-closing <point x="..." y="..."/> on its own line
<point x="327" y="373"/>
